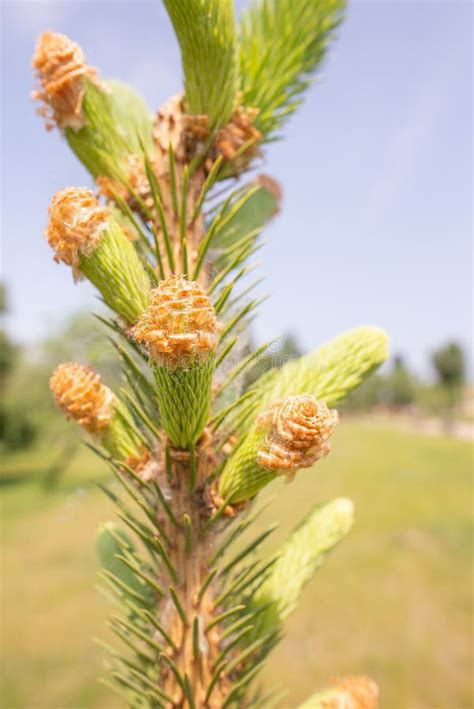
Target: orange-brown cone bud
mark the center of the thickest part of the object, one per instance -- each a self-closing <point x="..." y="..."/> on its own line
<point x="180" y="330"/>
<point x="76" y="222"/>
<point x="80" y="394"/>
<point x="291" y="433"/>
<point x="299" y="429"/>
<point x="355" y="693"/>
<point x="61" y="70"/>
<point x="179" y="325"/>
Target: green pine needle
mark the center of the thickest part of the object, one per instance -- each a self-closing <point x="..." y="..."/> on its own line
<point x="207" y="36"/>
<point x="282" y="43"/>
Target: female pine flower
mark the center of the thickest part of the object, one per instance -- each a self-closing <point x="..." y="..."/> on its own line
<point x="291" y="433"/>
<point x="181" y="333"/>
<point x="86" y="236"/>
<point x="353" y="692"/>
<point x="76" y="222"/>
<point x="105" y="122"/>
<point x="61" y="71"/>
<point x="180" y="324"/>
<point x="81" y="395"/>
<point x="298" y="429"/>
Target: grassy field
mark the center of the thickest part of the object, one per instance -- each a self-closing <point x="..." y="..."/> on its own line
<point x="394" y="601"/>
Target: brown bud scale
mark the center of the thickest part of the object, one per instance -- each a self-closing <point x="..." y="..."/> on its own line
<point x="238" y="141"/>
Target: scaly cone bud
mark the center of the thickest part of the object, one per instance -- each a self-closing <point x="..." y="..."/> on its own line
<point x="105" y="122"/>
<point x="180" y="330"/>
<point x="81" y="396"/>
<point x="88" y="238"/>
<point x="61" y="71"/>
<point x="292" y="433"/>
<point x="348" y="693"/>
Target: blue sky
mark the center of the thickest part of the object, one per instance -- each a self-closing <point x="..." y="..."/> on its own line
<point x="376" y="170"/>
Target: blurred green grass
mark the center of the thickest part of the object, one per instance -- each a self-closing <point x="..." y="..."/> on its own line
<point x="393" y="601"/>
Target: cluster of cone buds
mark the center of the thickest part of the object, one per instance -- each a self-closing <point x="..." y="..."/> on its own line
<point x="175" y="322"/>
<point x="180" y="332"/>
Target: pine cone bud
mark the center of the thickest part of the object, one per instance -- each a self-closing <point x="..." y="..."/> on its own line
<point x="87" y="237"/>
<point x="61" y="70"/>
<point x="105" y="122"/>
<point x="347" y="693"/>
<point x="299" y="429"/>
<point x="76" y="223"/>
<point x="292" y="433"/>
<point x="181" y="333"/>
<point x="180" y="325"/>
<point x="354" y="693"/>
<point x="80" y="394"/>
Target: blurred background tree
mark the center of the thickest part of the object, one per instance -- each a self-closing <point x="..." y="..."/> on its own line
<point x="399" y="385"/>
<point x="279" y="352"/>
<point x="17" y="427"/>
<point x="449" y="364"/>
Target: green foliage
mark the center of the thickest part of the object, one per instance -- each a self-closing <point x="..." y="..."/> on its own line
<point x="283" y="42"/>
<point x="113" y="545"/>
<point x="243" y="477"/>
<point x="207" y="36"/>
<point x="121" y="438"/>
<point x="301" y="555"/>
<point x="8" y="355"/>
<point x="400" y="385"/>
<point x="449" y="364"/>
<point x="18" y="430"/>
<point x="247" y="211"/>
<point x="117" y="123"/>
<point x="115" y="270"/>
<point x="184" y="399"/>
<point x="285" y="349"/>
<point x="330" y="372"/>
